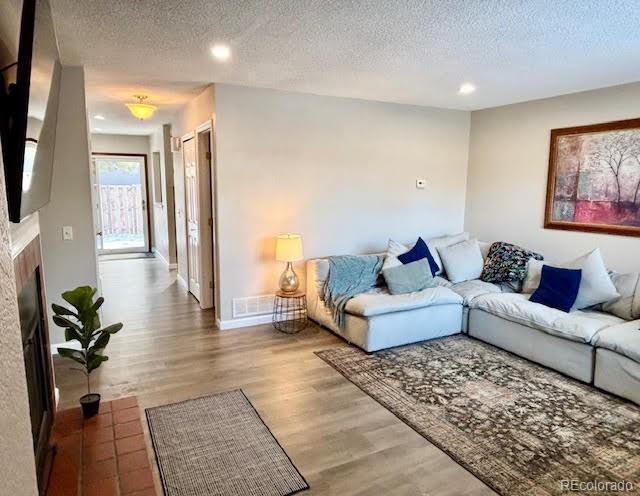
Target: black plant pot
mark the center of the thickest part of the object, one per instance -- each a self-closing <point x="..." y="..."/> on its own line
<point x="90" y="404"/>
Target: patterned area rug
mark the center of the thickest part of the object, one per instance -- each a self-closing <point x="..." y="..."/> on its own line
<point x="219" y="445"/>
<point x="518" y="427"/>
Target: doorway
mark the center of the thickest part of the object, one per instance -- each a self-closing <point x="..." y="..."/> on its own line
<point x="198" y="174"/>
<point x="122" y="217"/>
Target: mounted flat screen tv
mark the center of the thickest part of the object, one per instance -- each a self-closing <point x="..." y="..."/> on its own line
<point x="29" y="110"/>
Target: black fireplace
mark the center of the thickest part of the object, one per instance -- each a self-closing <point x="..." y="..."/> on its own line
<point x="37" y="362"/>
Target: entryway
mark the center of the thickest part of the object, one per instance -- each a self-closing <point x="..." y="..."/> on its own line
<point x="120" y="192"/>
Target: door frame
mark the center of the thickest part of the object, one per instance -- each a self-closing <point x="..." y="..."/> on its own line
<point x="149" y="241"/>
<point x="206" y="167"/>
<point x="208" y="219"/>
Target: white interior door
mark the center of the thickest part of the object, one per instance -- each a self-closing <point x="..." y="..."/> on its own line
<point x="121" y="198"/>
<point x="192" y="200"/>
<point x="204" y="158"/>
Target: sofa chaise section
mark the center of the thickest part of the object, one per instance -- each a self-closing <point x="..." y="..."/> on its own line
<point x="618" y="360"/>
<point x="377" y="320"/>
<point x="562" y="341"/>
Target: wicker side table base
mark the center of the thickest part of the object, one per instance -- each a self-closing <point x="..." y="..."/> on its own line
<point x="290" y="312"/>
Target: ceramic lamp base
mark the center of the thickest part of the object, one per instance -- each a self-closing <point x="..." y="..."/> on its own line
<point x="289" y="280"/>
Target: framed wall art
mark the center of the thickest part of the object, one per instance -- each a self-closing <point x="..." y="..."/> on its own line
<point x="594" y="178"/>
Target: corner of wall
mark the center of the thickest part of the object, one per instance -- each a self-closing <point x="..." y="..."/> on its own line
<point x="68" y="264"/>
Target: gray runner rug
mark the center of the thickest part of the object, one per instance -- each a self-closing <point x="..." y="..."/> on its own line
<point x="219" y="445"/>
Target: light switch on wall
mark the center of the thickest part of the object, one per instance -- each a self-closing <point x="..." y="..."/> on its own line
<point x="67" y="233"/>
<point x="421" y="183"/>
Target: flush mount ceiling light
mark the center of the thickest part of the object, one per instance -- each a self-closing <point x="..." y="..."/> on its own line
<point x="466" y="89"/>
<point x="99" y="117"/>
<point x="141" y="110"/>
<point x="221" y="52"/>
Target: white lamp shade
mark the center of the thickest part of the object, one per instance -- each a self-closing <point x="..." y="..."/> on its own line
<point x="289" y="248"/>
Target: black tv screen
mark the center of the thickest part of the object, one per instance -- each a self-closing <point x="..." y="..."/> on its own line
<point x="29" y="112"/>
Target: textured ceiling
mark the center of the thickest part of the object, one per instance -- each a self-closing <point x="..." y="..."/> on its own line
<point x="416" y="52"/>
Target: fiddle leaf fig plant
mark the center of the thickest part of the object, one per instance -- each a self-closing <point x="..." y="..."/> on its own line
<point x="82" y="323"/>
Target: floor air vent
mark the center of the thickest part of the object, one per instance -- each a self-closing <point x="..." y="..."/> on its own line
<point x="252" y="305"/>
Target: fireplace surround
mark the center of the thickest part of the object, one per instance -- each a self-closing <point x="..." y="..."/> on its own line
<point x="37" y="354"/>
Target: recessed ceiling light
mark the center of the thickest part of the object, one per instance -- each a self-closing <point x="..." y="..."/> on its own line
<point x="221" y="52"/>
<point x="100" y="117"/>
<point x="466" y="89"/>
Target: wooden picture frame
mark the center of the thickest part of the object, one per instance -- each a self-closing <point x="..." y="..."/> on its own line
<point x="593" y="184"/>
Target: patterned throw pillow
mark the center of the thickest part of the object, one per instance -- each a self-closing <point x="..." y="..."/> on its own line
<point x="507" y="263"/>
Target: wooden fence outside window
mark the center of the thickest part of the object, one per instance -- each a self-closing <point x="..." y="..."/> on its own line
<point x="121" y="209"/>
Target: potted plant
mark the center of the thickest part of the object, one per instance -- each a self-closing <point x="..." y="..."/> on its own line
<point x="83" y="324"/>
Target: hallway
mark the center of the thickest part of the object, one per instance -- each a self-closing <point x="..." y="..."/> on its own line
<point x="340" y="439"/>
<point x="146" y="297"/>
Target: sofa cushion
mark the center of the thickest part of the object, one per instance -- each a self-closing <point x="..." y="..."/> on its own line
<point x="558" y="288"/>
<point x="378" y="301"/>
<point x="623" y="339"/>
<point x="484" y="248"/>
<point x="462" y="261"/>
<point x="507" y="263"/>
<point x="579" y="326"/>
<point x="409" y="278"/>
<point x="435" y="243"/>
<point x="472" y="289"/>
<point x="419" y="251"/>
<point x="534" y="273"/>
<point x="627" y="305"/>
<point x="393" y="250"/>
<point x="596" y="286"/>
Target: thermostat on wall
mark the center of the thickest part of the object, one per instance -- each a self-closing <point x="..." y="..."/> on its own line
<point x="421" y="183"/>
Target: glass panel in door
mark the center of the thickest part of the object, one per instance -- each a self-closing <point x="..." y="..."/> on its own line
<point x="122" y="199"/>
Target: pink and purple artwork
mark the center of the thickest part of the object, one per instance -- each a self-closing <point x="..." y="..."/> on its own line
<point x="594" y="178"/>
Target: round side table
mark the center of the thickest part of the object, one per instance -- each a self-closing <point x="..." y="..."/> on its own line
<point x="290" y="312"/>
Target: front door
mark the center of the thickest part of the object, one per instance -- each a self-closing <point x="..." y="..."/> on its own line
<point x="193" y="214"/>
<point x="121" y="194"/>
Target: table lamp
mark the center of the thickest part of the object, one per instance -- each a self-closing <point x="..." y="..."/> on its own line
<point x="289" y="249"/>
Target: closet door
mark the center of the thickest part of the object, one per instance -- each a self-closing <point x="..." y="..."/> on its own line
<point x="192" y="199"/>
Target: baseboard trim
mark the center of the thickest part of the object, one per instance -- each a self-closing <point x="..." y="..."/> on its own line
<point x="160" y="256"/>
<point x="223" y="325"/>
<point x="182" y="282"/>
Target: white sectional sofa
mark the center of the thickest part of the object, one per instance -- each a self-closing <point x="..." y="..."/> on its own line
<point x="591" y="346"/>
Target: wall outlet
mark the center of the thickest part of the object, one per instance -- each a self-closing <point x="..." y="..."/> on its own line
<point x="421" y="183"/>
<point x="67" y="233"/>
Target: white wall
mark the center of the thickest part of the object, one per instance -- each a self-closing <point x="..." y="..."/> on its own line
<point x="163" y="212"/>
<point x="508" y="163"/>
<point x="340" y="171"/>
<point x="196" y="112"/>
<point x="68" y="264"/>
<point x="120" y="143"/>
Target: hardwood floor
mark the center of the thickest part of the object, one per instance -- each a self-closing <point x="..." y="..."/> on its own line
<point x="341" y="440"/>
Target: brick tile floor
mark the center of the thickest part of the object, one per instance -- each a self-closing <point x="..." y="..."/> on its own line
<point x="102" y="456"/>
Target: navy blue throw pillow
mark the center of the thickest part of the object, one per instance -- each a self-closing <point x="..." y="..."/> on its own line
<point x="419" y="251"/>
<point x="558" y="288"/>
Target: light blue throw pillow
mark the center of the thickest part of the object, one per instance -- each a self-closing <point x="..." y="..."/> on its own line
<point x="409" y="278"/>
